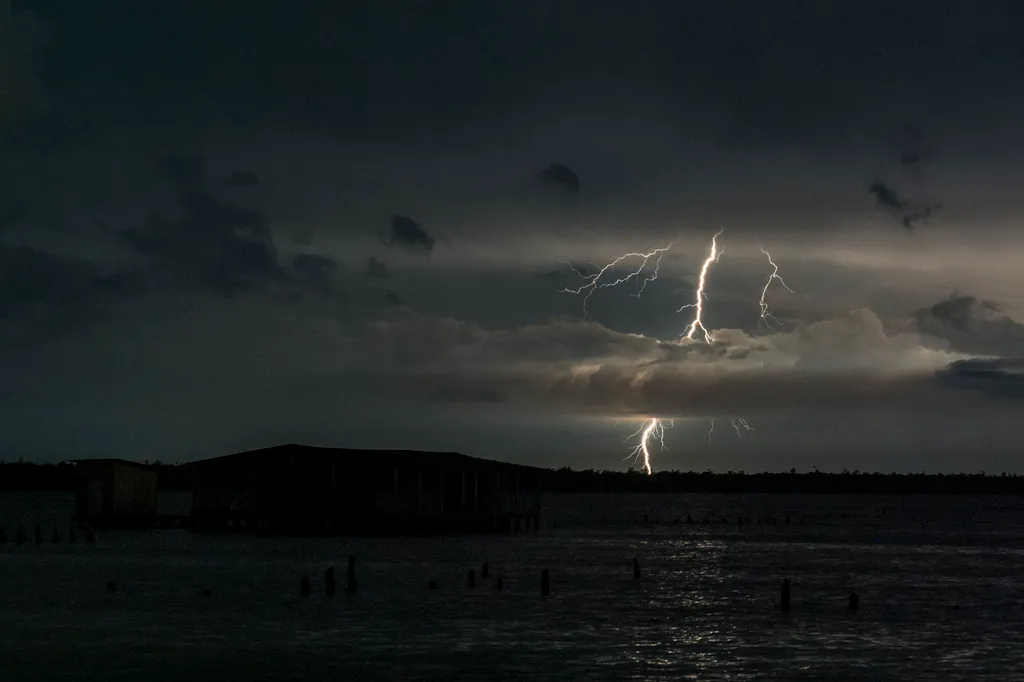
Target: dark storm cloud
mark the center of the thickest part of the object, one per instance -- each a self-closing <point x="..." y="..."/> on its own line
<point x="376" y="268"/>
<point x="890" y="201"/>
<point x="559" y="177"/>
<point x="886" y="196"/>
<point x="213" y="243"/>
<point x="999" y="378"/>
<point x="243" y="179"/>
<point x="30" y="277"/>
<point x="315" y="271"/>
<point x="408" y="235"/>
<point x="972" y="326"/>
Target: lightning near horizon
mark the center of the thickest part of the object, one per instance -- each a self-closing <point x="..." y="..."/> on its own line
<point x="698" y="317"/>
<point x="653" y="428"/>
<point x="767" y="318"/>
<point x="650" y="428"/>
<point x="593" y="281"/>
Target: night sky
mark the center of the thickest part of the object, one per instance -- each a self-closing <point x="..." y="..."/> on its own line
<point x="229" y="225"/>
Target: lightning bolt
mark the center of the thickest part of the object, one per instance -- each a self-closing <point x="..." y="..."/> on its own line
<point x="698" y="305"/>
<point x="594" y="282"/>
<point x="651" y="428"/>
<point x="767" y="318"/>
<point x="739" y="423"/>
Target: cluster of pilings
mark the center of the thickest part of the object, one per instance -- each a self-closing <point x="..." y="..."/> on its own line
<point x="21" y="535"/>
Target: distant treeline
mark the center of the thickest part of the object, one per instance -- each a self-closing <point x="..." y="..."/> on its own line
<point x="62" y="476"/>
<point x="847" y="482"/>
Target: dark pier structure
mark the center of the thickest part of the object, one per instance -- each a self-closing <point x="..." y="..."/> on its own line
<point x="299" y="490"/>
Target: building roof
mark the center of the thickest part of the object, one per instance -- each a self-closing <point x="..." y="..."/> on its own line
<point x="112" y="460"/>
<point x="407" y="457"/>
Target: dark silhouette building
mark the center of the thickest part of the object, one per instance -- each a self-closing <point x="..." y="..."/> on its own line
<point x="295" y="489"/>
<point x="115" y="492"/>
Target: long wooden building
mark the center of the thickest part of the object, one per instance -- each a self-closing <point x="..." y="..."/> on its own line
<point x="295" y="489"/>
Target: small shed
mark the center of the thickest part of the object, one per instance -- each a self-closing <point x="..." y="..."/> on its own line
<point x="116" y="492"/>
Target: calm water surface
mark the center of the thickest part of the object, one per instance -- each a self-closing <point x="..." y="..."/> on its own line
<point x="940" y="580"/>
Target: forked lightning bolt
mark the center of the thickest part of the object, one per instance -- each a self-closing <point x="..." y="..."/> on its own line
<point x="594" y="281"/>
<point x="651" y="428"/>
<point x="767" y="318"/>
<point x="739" y="425"/>
<point x="698" y="305"/>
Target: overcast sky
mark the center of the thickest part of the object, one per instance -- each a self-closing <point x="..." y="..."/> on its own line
<point x="232" y="225"/>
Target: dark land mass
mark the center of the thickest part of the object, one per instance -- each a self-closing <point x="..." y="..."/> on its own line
<point x="63" y="476"/>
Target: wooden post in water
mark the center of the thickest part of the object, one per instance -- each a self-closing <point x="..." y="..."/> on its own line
<point x="350" y="577"/>
<point x="329" y="582"/>
<point x="499" y="584"/>
<point x="785" y="603"/>
<point x="636" y="569"/>
<point x="854" y="601"/>
<point x="545" y="583"/>
<point x="304" y="586"/>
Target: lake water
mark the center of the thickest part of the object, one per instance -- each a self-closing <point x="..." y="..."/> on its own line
<point x="941" y="583"/>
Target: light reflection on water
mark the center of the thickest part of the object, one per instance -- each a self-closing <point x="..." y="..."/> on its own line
<point x="703" y="609"/>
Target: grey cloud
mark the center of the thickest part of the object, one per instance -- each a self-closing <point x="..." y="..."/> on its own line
<point x="587" y="368"/>
<point x="377" y="268"/>
<point x="560" y="177"/>
<point x="407" y="234"/>
<point x="972" y="326"/>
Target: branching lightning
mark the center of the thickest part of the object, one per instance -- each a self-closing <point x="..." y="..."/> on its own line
<point x="654" y="428"/>
<point x="698" y="305"/>
<point x="651" y="428"/>
<point x="767" y="318"/>
<point x="593" y="282"/>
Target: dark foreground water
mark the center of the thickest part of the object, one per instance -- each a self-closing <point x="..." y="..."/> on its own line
<point x="940" y="580"/>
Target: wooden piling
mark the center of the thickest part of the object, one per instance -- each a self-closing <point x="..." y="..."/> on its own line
<point x="350" y="577"/>
<point x="499" y="584"/>
<point x="854" y="601"/>
<point x="636" y="569"/>
<point x="304" y="586"/>
<point x="329" y="582"/>
<point x="545" y="583"/>
<point x="785" y="603"/>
